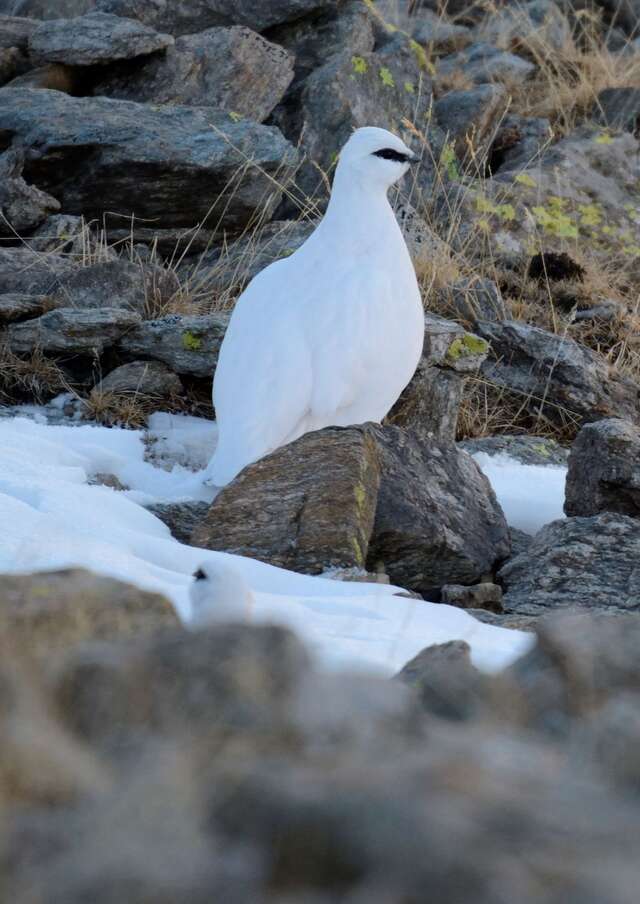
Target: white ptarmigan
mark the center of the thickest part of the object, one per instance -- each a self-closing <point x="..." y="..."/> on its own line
<point x="331" y="335"/>
<point x="219" y="593"/>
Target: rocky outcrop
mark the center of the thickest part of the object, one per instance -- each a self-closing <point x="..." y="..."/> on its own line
<point x="308" y="506"/>
<point x="189" y="16"/>
<point x="72" y="331"/>
<point x="188" y="344"/>
<point x="92" y="39"/>
<point x="168" y="164"/>
<point x="554" y="376"/>
<point x="231" y="69"/>
<point x="16" y="306"/>
<point x="145" y="378"/>
<point x="482" y="63"/>
<point x="579" y="563"/>
<point x="468" y="117"/>
<point x="50" y="611"/>
<point x="604" y="470"/>
<point x="437" y="519"/>
<point x="430" y="404"/>
<point x="22" y="206"/>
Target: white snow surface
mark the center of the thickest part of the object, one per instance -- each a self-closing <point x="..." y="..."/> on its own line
<point x="530" y="495"/>
<point x="51" y="517"/>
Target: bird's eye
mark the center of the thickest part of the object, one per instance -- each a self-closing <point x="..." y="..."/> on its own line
<point x="390" y="154"/>
<point x="199" y="575"/>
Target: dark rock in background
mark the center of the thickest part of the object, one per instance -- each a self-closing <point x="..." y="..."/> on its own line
<point x="604" y="470"/>
<point x="233" y="70"/>
<point x="169" y="164"/>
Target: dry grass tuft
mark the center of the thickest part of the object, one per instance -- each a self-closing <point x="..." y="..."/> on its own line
<point x="34" y="378"/>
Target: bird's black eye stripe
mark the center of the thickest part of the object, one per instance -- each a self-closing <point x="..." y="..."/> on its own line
<point x="390" y="154"/>
<point x="199" y="575"/>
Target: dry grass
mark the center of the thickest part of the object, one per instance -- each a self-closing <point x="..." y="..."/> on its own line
<point x="33" y="378"/>
<point x="122" y="409"/>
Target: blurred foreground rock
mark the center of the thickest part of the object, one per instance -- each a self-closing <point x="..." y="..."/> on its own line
<point x="222" y="765"/>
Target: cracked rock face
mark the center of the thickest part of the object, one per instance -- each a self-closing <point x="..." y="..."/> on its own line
<point x="232" y="69"/>
<point x="583" y="563"/>
<point x="604" y="470"/>
<point x="94" y="38"/>
<point x="168" y="164"/>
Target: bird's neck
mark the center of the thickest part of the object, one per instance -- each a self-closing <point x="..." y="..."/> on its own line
<point x="355" y="208"/>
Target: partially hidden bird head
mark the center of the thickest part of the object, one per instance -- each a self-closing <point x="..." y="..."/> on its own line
<point x="376" y="155"/>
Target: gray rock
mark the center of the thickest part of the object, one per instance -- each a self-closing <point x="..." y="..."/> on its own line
<point x="94" y="38"/>
<point x="227" y="270"/>
<point x="478" y="596"/>
<point x="188" y="344"/>
<point x="350" y="91"/>
<point x="15" y="32"/>
<point x="181" y="17"/>
<point x="445" y="680"/>
<point x="483" y="63"/>
<point x="113" y="284"/>
<point x="537" y="23"/>
<point x="470" y="116"/>
<point x="234" y="70"/>
<point x="22" y="206"/>
<point x="578" y="563"/>
<point x="437" y="520"/>
<point x="21" y="270"/>
<point x="45" y="9"/>
<point x="65" y="234"/>
<point x="430" y="404"/>
<point x="170" y="244"/>
<point x="529" y="450"/>
<point x="79" y="332"/>
<point x="313" y="39"/>
<point x="618" y="108"/>
<point x="604" y="470"/>
<point x="438" y="36"/>
<point x="519" y="142"/>
<point x="167" y="164"/>
<point x="180" y="517"/>
<point x="611" y="737"/>
<point x="15" y="306"/>
<point x="147" y="378"/>
<point x="308" y="506"/>
<point x="554" y="376"/>
<point x="473" y="299"/>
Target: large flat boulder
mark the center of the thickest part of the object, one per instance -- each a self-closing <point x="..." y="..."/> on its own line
<point x="604" y="470"/>
<point x="187" y="343"/>
<point x="554" y="376"/>
<point x="168" y="164"/>
<point x="180" y="17"/>
<point x="437" y="518"/>
<point x="231" y="69"/>
<point x="95" y="38"/>
<point x="309" y="506"/>
<point x="72" y="330"/>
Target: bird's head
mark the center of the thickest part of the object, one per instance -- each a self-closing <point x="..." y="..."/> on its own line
<point x="376" y="156"/>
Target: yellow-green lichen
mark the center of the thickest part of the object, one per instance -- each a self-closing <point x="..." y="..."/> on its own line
<point x="359" y="65"/>
<point x="421" y="56"/>
<point x="191" y="342"/>
<point x="355" y="544"/>
<point x="525" y="179"/>
<point x="466" y="346"/>
<point x="386" y="77"/>
<point x="361" y="495"/>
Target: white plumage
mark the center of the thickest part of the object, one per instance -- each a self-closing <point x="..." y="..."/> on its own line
<point x="330" y="335"/>
<point x="219" y="593"/>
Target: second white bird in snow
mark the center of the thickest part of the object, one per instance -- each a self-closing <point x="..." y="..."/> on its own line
<point x="219" y="593"/>
<point x="331" y="335"/>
